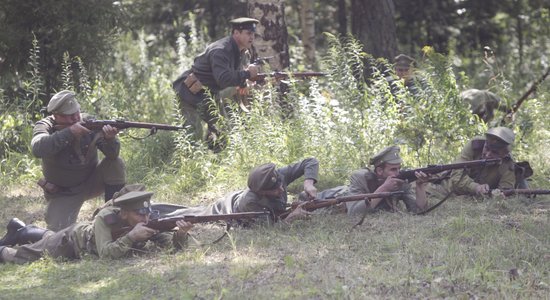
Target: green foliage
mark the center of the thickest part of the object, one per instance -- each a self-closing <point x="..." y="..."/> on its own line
<point x="82" y="28"/>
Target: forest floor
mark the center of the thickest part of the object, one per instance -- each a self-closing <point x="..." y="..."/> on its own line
<point x="465" y="249"/>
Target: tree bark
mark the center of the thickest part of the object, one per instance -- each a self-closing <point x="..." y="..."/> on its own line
<point x="342" y="18"/>
<point x="307" y="17"/>
<point x="273" y="40"/>
<point x="373" y="24"/>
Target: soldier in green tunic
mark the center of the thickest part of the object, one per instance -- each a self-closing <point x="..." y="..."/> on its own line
<point x="70" y="164"/>
<point x="387" y="164"/>
<point x="131" y="209"/>
<point x="497" y="143"/>
<point x="215" y="69"/>
<point x="267" y="191"/>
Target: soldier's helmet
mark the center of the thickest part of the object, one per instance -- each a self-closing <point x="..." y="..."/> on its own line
<point x="502" y="133"/>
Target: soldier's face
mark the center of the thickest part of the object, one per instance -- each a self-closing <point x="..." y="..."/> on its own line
<point x="67" y="119"/>
<point x="133" y="217"/>
<point x="403" y="72"/>
<point x="388" y="170"/>
<point x="274" y="193"/>
<point x="490" y="153"/>
<point x="244" y="38"/>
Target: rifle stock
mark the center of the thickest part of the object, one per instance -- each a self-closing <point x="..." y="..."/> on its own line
<point x="434" y="169"/>
<point x="169" y="223"/>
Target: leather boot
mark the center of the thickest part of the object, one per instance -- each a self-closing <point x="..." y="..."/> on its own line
<point x="30" y="234"/>
<point x="111" y="189"/>
<point x="10" y="238"/>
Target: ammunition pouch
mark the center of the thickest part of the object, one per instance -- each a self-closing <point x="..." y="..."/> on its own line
<point x="193" y="83"/>
<point x="48" y="187"/>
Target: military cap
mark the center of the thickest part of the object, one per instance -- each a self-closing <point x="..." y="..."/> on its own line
<point x="129" y="188"/>
<point x="63" y="103"/>
<point x="403" y="60"/>
<point x="135" y="200"/>
<point x="389" y="155"/>
<point x="502" y="133"/>
<point x="244" y="23"/>
<point x="263" y="178"/>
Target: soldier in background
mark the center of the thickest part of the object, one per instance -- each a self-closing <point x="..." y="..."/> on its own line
<point x="215" y="69"/>
<point x="483" y="103"/>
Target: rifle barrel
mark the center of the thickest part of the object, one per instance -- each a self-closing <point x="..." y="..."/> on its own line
<point x="434" y="169"/>
<point x="510" y="192"/>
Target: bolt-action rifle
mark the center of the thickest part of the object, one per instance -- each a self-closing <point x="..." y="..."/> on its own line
<point x="260" y="78"/>
<point x="121" y="124"/>
<point x="314" y="204"/>
<point x="511" y="192"/>
<point x="532" y="89"/>
<point x="434" y="169"/>
<point x="169" y="223"/>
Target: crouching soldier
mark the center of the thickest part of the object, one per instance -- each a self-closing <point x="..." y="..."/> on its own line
<point x="114" y="233"/>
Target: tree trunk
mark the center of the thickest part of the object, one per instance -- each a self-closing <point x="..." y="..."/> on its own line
<point x="342" y="18"/>
<point x="373" y="24"/>
<point x="273" y="40"/>
<point x="307" y="17"/>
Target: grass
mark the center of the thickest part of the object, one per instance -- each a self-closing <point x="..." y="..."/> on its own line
<point x="465" y="249"/>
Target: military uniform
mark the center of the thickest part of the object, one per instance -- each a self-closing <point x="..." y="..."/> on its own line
<point x="71" y="164"/>
<point x="96" y="238"/>
<point x="482" y="103"/>
<point x="248" y="200"/>
<point x="464" y="182"/>
<point x="365" y="181"/>
<point x="217" y="68"/>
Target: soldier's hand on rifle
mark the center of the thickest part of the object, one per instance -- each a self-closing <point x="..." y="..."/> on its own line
<point x="254" y="70"/>
<point x="141" y="233"/>
<point x="78" y="130"/>
<point x="310" y="189"/>
<point x="391" y="184"/>
<point x="109" y="132"/>
<point x="297" y="214"/>
<point x="183" y="226"/>
<point x="422" y="178"/>
<point x="482" y="189"/>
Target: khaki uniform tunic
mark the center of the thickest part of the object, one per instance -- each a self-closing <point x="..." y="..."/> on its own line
<point x="500" y="176"/>
<point x="89" y="237"/>
<point x="72" y="164"/>
<point x="365" y="181"/>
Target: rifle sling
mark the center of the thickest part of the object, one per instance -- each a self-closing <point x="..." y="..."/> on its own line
<point x="151" y="132"/>
<point x="443" y="200"/>
<point x="227" y="227"/>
